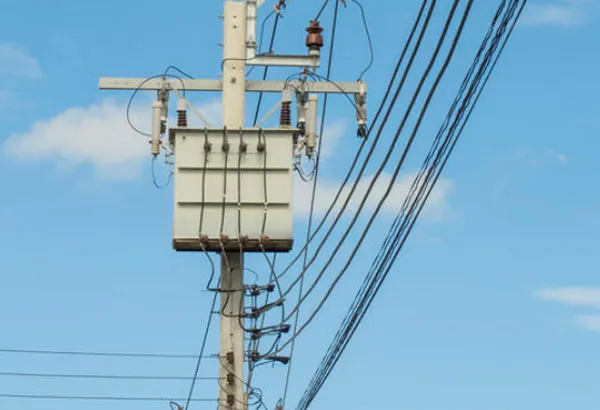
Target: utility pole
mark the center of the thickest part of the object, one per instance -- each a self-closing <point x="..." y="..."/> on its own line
<point x="233" y="184"/>
<point x="232" y="263"/>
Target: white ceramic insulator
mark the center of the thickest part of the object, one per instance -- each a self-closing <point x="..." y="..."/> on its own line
<point x="251" y="6"/>
<point x="182" y="104"/>
<point x="157" y="108"/>
<point x="311" y="125"/>
<point x="302" y="106"/>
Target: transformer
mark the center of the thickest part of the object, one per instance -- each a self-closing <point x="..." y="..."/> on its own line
<point x="233" y="189"/>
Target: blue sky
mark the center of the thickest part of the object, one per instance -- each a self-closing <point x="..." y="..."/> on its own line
<point x="494" y="303"/>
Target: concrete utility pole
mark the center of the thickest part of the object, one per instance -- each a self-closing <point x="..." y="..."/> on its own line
<point x="233" y="184"/>
<point x="232" y="263"/>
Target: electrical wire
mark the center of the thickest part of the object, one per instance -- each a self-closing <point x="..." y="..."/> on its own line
<point x="358" y="178"/>
<point x="94" y="398"/>
<point x="369" y="155"/>
<point x="426" y="165"/>
<point x="102" y="354"/>
<point x="224" y="202"/>
<point x="207" y="149"/>
<point x="266" y="70"/>
<point x="355" y="315"/>
<point x="322" y="9"/>
<point x="139" y="87"/>
<point x="261" y="37"/>
<point x="313" y="194"/>
<point x="343" y="92"/>
<point x="369" y="40"/>
<point x="394" y="177"/>
<point x="255" y="345"/>
<point x="183" y="73"/>
<point x="99" y="376"/>
<point x="201" y="355"/>
<point x="155" y="181"/>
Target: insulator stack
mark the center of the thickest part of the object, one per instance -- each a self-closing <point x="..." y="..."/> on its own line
<point x="182" y="113"/>
<point x="286" y="114"/>
<point x="314" y="40"/>
<point x="182" y="119"/>
<point x="157" y="108"/>
<point x="311" y="125"/>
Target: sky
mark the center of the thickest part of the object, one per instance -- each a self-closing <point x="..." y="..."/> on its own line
<point x="494" y="303"/>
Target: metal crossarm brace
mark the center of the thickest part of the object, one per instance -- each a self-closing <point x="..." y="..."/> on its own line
<point x="110" y="83"/>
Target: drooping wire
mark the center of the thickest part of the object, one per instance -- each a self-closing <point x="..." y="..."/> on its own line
<point x="369" y="40"/>
<point x="261" y="37"/>
<point x="138" y="88"/>
<point x="183" y="73"/>
<point x="226" y="148"/>
<point x="201" y="354"/>
<point x="207" y="149"/>
<point x="266" y="70"/>
<point x="155" y="181"/>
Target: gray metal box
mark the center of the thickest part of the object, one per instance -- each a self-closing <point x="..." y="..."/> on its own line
<point x="232" y="187"/>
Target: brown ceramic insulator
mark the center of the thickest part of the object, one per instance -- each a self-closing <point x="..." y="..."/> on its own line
<point x="286" y="114"/>
<point x="182" y="119"/>
<point x="314" y="40"/>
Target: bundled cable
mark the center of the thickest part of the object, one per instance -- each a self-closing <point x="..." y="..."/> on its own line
<point x="473" y="85"/>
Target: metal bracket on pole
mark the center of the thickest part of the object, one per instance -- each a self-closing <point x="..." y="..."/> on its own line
<point x="312" y="61"/>
<point x="319" y="87"/>
<point x="195" y="110"/>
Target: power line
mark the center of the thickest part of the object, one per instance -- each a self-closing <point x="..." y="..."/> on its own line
<point x="358" y="178"/>
<point x="266" y="70"/>
<point x="374" y="280"/>
<point x="322" y="9"/>
<point x="104" y="354"/>
<point x="358" y="154"/>
<point x="369" y="40"/>
<point x="201" y="355"/>
<point x="99" y="376"/>
<point x="408" y="111"/>
<point x="139" y="87"/>
<point x="400" y="163"/>
<point x="94" y="398"/>
<point x="313" y="194"/>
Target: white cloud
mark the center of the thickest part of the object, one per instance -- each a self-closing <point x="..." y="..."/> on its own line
<point x="435" y="209"/>
<point x="212" y="110"/>
<point x="96" y="135"/>
<point x="589" y="322"/>
<point x="566" y="13"/>
<point x="16" y="62"/>
<point x="576" y="296"/>
<point x="538" y="158"/>
<point x="332" y="135"/>
<point x="559" y="157"/>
